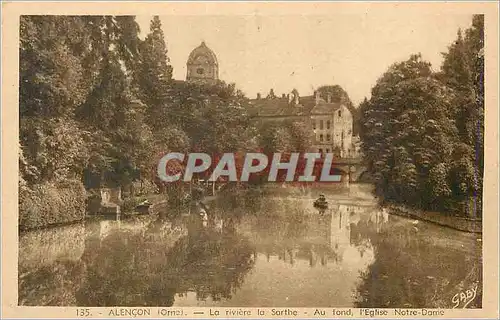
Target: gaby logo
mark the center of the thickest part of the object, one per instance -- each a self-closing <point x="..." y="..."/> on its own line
<point x="302" y="167"/>
<point x="465" y="297"/>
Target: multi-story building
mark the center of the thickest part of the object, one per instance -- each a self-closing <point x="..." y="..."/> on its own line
<point x="330" y="123"/>
<point x="332" y="127"/>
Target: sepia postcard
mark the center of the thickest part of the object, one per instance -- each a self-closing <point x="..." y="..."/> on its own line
<point x="233" y="160"/>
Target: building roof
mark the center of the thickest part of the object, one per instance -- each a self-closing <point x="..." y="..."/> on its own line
<point x="202" y="50"/>
<point x="281" y="107"/>
<point x="324" y="107"/>
<point x="277" y="107"/>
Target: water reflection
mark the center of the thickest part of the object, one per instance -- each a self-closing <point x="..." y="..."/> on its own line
<point x="417" y="267"/>
<point x="269" y="252"/>
<point x="324" y="237"/>
<point x="143" y="263"/>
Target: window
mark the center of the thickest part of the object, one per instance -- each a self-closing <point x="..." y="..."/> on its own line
<point x="320" y="124"/>
<point x="321" y="137"/>
<point x="200" y="71"/>
<point x="320" y="150"/>
<point x="314" y="124"/>
<point x="328" y="137"/>
<point x="327" y="150"/>
<point x="328" y="124"/>
<point x="340" y="113"/>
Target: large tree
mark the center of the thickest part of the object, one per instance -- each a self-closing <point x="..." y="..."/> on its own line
<point x="409" y="133"/>
<point x="463" y="71"/>
<point x="52" y="84"/>
<point x="75" y="92"/>
<point x="422" y="132"/>
<point x="154" y="74"/>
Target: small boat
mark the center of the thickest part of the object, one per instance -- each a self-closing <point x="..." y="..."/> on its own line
<point x="321" y="202"/>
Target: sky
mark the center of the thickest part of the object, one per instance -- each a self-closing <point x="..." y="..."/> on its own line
<point x="304" y="51"/>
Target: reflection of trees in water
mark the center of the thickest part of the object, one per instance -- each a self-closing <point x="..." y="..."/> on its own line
<point x="132" y="270"/>
<point x="238" y="201"/>
<point x="49" y="265"/>
<point x="52" y="285"/>
<point x="410" y="271"/>
<point x="143" y="268"/>
<point x="213" y="264"/>
<point x="121" y="269"/>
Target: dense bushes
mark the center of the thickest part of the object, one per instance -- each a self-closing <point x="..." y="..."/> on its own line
<point x="51" y="203"/>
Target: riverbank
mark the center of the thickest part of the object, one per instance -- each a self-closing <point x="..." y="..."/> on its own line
<point x="439" y="218"/>
<point x="51" y="203"/>
<point x="357" y="192"/>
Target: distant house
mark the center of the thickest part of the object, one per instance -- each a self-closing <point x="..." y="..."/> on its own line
<point x="330" y="123"/>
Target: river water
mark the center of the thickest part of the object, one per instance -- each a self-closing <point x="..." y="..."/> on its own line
<point x="271" y="251"/>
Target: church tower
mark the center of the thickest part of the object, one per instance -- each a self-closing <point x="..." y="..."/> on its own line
<point x="202" y="65"/>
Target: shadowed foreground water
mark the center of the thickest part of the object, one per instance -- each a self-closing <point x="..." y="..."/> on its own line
<point x="277" y="252"/>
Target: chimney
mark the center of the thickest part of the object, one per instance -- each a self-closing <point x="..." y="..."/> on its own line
<point x="329" y="97"/>
<point x="295" y="97"/>
<point x="283" y="96"/>
<point x="316" y="94"/>
<point x="258" y="96"/>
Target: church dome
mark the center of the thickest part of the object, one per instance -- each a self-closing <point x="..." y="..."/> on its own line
<point x="202" y="51"/>
<point x="202" y="65"/>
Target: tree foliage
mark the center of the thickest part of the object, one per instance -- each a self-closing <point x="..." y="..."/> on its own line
<point x="154" y="74"/>
<point x="213" y="116"/>
<point x="289" y="136"/>
<point x="99" y="105"/>
<point x="422" y="132"/>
